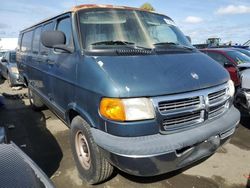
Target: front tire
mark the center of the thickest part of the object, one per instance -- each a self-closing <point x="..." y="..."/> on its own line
<point x="89" y="159"/>
<point x="35" y="102"/>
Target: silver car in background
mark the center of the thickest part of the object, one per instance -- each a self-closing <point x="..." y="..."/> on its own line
<point x="8" y="68"/>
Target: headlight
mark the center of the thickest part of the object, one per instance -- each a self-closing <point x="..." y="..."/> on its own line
<point x="231" y="88"/>
<point x="14" y="70"/>
<point x="127" y="109"/>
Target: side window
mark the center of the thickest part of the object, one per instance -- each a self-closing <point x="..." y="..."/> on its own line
<point x="36" y="40"/>
<point x="64" y="25"/>
<point x="47" y="27"/>
<point x="218" y="57"/>
<point x="26" y="41"/>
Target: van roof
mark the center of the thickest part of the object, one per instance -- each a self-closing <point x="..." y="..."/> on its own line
<point x="86" y="6"/>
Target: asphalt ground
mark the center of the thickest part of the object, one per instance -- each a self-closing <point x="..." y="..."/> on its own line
<point x="45" y="139"/>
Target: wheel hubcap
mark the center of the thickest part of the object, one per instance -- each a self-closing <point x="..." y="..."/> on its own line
<point x="82" y="150"/>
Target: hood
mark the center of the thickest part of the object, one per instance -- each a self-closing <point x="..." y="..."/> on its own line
<point x="154" y="75"/>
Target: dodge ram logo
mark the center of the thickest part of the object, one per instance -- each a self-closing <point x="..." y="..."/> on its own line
<point x="194" y="75"/>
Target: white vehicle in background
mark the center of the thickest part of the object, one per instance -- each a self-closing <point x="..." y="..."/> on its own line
<point x="243" y="93"/>
<point x="8" y="69"/>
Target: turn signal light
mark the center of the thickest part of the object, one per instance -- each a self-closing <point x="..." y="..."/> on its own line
<point x="112" y="109"/>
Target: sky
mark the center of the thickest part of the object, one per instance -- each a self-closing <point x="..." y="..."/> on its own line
<point x="226" y="19"/>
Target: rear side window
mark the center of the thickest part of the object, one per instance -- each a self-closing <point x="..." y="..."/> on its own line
<point x="219" y="58"/>
<point x="36" y="40"/>
<point x="64" y="25"/>
<point x="48" y="27"/>
<point x="26" y="41"/>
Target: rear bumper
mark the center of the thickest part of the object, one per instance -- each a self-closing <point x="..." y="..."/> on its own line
<point x="158" y="154"/>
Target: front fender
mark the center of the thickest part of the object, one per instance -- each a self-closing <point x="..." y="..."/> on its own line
<point x="80" y="111"/>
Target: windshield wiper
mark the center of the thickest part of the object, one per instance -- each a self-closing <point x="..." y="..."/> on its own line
<point x="172" y="44"/>
<point x="113" y="42"/>
<point x="119" y="42"/>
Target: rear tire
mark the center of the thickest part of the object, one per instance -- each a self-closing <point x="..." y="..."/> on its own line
<point x="89" y="159"/>
<point x="35" y="102"/>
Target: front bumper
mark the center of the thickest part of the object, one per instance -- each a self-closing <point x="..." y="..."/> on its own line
<point x="158" y="154"/>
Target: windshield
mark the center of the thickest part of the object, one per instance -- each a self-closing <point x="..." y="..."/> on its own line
<point x="12" y="57"/>
<point x="114" y="27"/>
<point x="239" y="57"/>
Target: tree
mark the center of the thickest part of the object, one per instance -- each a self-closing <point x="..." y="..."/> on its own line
<point x="148" y="7"/>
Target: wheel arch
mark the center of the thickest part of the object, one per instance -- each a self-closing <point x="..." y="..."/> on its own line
<point x="73" y="111"/>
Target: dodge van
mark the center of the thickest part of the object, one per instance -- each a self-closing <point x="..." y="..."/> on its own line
<point x="134" y="92"/>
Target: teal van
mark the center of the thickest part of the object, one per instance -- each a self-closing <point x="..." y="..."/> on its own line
<point x="134" y="92"/>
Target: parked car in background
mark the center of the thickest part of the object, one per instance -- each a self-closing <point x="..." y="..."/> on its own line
<point x="133" y="90"/>
<point x="1" y="54"/>
<point x="8" y="68"/>
<point x="244" y="51"/>
<point x="247" y="43"/>
<point x="228" y="58"/>
<point x="242" y="96"/>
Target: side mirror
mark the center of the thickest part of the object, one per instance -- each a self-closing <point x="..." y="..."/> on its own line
<point x="4" y="60"/>
<point x="56" y="40"/>
<point x="189" y="39"/>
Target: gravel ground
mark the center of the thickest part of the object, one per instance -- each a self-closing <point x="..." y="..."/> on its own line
<point x="46" y="140"/>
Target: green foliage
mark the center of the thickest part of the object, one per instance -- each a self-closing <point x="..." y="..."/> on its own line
<point x="148" y="7"/>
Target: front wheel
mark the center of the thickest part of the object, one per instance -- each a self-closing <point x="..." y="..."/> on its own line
<point x="90" y="162"/>
<point x="35" y="102"/>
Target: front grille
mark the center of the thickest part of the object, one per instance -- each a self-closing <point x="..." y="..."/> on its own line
<point x="177" y="104"/>
<point x="217" y="103"/>
<point x="181" y="111"/>
<point x="216" y="111"/>
<point x="216" y="96"/>
<point x="183" y="119"/>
